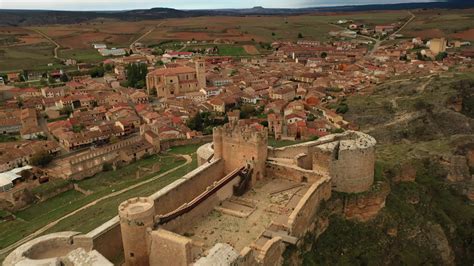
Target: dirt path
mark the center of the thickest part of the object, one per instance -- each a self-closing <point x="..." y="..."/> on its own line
<point x="53" y="223"/>
<point x="51" y="41"/>
<point x="144" y="35"/>
<point x="404" y="118"/>
<point x="379" y="42"/>
<point x="404" y="25"/>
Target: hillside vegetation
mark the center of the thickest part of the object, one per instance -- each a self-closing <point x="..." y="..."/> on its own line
<point x="424" y="128"/>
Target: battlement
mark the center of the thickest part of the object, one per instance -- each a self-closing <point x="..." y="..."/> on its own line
<point x="136" y="208"/>
<point x="246" y="133"/>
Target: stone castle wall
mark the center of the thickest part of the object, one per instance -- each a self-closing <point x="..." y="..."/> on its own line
<point x="292" y="172"/>
<point x="168" y="248"/>
<point x="304" y="214"/>
<point x="182" y="224"/>
<point x="107" y="239"/>
<point x="188" y="187"/>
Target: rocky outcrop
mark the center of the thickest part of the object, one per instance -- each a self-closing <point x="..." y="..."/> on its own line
<point x="405" y="173"/>
<point x="457" y="167"/>
<point x="366" y="206"/>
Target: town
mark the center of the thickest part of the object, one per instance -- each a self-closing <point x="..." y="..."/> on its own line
<point x="140" y="102"/>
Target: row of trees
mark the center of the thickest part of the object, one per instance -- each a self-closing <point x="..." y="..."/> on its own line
<point x="136" y="75"/>
<point x="205" y="121"/>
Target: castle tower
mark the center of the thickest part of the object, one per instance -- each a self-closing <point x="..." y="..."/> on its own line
<point x="201" y="72"/>
<point x="240" y="146"/>
<point x="217" y="143"/>
<point x="136" y="215"/>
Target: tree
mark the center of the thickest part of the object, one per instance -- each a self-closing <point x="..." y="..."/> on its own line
<point x="77" y="128"/>
<point x="300" y="36"/>
<point x="324" y="55"/>
<point x="97" y="71"/>
<point x="51" y="80"/>
<point x="41" y="158"/>
<point x="342" y="108"/>
<point x="195" y="123"/>
<point x="21" y="77"/>
<point x="64" y="78"/>
<point x="247" y="111"/>
<point x="43" y="82"/>
<point x="108" y="67"/>
<point x="441" y="56"/>
<point x="273" y="34"/>
<point x="107" y="167"/>
<point x="311" y="117"/>
<point x="136" y="75"/>
<point x="66" y="110"/>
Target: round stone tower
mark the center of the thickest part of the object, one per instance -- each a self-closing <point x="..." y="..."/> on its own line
<point x="136" y="215"/>
<point x="350" y="161"/>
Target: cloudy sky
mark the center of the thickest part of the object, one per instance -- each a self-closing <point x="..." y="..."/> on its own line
<point x="180" y="4"/>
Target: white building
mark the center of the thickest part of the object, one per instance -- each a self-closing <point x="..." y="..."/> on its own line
<point x="99" y="46"/>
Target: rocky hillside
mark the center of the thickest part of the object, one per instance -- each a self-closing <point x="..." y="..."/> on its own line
<point x="425" y="130"/>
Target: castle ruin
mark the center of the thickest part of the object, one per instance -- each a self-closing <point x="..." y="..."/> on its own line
<point x="244" y="205"/>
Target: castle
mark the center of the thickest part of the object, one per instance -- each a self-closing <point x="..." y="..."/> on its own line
<point x="245" y="204"/>
<point x="177" y="81"/>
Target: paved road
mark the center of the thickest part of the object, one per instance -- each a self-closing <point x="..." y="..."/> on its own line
<point x="51" y="41"/>
<point x="51" y="224"/>
<point x="379" y="42"/>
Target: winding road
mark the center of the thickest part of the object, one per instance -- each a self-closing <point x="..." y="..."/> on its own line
<point x="56" y="49"/>
<point x="53" y="223"/>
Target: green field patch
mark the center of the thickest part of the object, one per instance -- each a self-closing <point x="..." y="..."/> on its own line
<point x="82" y="55"/>
<point x="26" y="56"/>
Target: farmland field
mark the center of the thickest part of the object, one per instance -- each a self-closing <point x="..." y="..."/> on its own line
<point x="442" y="23"/>
<point x="245" y="32"/>
<point x="21" y="57"/>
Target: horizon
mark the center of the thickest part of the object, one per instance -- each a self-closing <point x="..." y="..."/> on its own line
<point x="124" y="5"/>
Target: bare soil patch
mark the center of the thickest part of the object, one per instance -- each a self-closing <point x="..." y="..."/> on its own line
<point x="251" y="49"/>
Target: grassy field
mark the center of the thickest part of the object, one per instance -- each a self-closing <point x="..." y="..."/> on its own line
<point x="26" y="56"/>
<point x="82" y="55"/>
<point x="38" y="215"/>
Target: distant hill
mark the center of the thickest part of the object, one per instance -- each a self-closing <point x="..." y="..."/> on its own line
<point x="42" y="17"/>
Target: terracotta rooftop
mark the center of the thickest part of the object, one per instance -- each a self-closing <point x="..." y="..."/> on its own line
<point x="172" y="71"/>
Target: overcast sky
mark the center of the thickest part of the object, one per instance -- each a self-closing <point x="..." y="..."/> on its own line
<point x="180" y="4"/>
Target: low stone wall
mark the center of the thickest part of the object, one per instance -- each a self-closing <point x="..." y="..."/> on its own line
<point x="291" y="172"/>
<point x="303" y="216"/>
<point x="271" y="253"/>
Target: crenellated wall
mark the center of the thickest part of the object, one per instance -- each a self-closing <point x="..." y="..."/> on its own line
<point x="241" y="145"/>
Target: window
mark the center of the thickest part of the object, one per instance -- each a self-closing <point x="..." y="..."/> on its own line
<point x="132" y="255"/>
